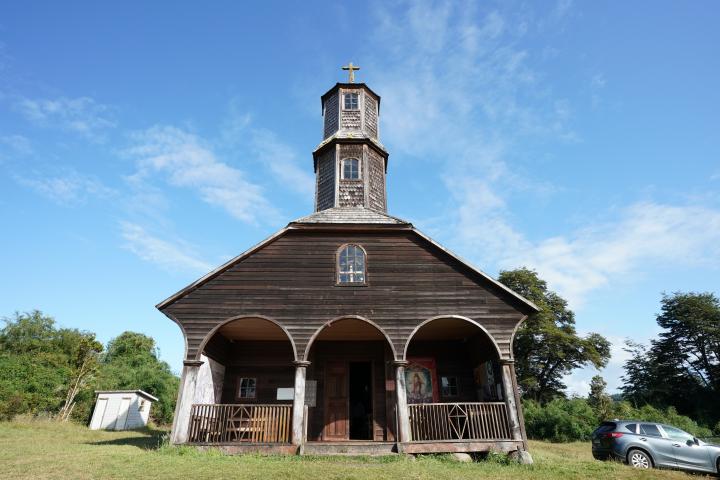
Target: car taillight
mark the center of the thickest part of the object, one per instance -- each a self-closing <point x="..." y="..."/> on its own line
<point x="612" y="435"/>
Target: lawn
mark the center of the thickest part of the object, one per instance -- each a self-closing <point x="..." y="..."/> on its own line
<point x="43" y="449"/>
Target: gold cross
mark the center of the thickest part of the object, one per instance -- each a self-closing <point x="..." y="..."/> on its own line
<point x="350" y="67"/>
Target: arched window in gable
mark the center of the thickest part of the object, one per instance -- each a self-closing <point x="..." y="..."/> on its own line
<point x="351" y="264"/>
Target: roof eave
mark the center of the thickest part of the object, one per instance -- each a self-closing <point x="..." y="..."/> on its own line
<point x="350" y="140"/>
<point x="348" y="85"/>
<point x="141" y="393"/>
<point x="171" y="299"/>
<point x="349" y="226"/>
<point x="532" y="308"/>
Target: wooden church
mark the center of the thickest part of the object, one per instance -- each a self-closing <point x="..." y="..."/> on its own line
<point x="349" y="331"/>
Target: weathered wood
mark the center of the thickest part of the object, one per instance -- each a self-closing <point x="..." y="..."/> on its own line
<point x="298" y="417"/>
<point x="404" y="433"/>
<point x="225" y="424"/>
<point x="460" y="421"/>
<point x="460" y="446"/>
<point x="337" y="406"/>
<point x="512" y="407"/>
<point x="292" y="280"/>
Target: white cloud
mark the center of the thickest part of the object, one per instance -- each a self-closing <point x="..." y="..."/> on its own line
<point x="457" y="77"/>
<point x="645" y="233"/>
<point x="172" y="256"/>
<point x="187" y="161"/>
<point x="578" y="382"/>
<point x="461" y="89"/>
<point x="81" y="115"/>
<point x="268" y="148"/>
<point x="590" y="258"/>
<point x="69" y="188"/>
<point x="283" y="162"/>
<point x="17" y="144"/>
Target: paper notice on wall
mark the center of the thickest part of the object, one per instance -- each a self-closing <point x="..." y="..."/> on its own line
<point x="285" y="393"/>
<point x="310" y="392"/>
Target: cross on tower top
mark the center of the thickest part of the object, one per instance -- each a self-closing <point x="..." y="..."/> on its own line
<point x="351" y="71"/>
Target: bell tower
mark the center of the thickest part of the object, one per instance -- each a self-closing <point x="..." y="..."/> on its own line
<point x="350" y="162"/>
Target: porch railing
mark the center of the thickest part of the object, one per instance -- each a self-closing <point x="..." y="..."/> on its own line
<point x="459" y="421"/>
<point x="226" y="423"/>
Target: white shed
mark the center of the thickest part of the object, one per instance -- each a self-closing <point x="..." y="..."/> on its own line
<point x="121" y="409"/>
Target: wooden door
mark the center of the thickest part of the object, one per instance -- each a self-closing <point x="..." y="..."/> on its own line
<point x="337" y="421"/>
<point x="122" y="414"/>
<point x="99" y="413"/>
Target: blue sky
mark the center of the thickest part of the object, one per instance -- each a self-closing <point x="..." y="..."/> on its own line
<point x="141" y="145"/>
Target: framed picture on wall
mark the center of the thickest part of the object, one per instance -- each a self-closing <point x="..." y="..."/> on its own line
<point x="421" y="382"/>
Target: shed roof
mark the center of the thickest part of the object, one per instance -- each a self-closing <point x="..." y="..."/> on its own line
<point x="140" y="393"/>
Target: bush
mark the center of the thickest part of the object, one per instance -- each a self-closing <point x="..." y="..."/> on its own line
<point x="671" y="417"/>
<point x="560" y="420"/>
<point x="567" y="420"/>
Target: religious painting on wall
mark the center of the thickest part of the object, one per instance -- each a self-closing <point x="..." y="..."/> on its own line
<point x="421" y="381"/>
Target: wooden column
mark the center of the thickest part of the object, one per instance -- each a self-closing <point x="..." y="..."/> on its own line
<point x="186" y="397"/>
<point x="508" y="372"/>
<point x="298" y="430"/>
<point x="401" y="403"/>
<point x="521" y="417"/>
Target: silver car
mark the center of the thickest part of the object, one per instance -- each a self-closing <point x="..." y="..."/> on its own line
<point x="648" y="445"/>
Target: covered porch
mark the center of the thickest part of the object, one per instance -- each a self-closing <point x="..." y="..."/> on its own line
<point x="348" y="393"/>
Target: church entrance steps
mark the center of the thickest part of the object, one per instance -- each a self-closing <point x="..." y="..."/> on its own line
<point x="350" y="448"/>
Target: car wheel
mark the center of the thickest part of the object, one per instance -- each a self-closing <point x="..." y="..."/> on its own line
<point x="639" y="459"/>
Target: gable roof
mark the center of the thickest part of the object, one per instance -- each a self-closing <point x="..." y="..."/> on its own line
<point x="338" y="217"/>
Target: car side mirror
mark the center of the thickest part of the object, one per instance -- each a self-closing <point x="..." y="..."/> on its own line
<point x="692" y="442"/>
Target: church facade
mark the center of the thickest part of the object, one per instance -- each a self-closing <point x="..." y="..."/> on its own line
<point x="349" y="330"/>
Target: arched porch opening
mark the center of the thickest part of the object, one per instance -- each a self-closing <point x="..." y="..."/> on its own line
<point x="350" y="369"/>
<point x="454" y="382"/>
<point x="256" y="349"/>
<point x="245" y="382"/>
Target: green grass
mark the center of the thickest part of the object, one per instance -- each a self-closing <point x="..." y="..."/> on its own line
<point x="44" y="449"/>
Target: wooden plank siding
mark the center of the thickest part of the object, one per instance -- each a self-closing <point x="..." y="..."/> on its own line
<point x="292" y="280"/>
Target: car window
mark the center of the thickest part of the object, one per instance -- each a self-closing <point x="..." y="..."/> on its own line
<point x="677" y="434"/>
<point x="606" y="427"/>
<point x="631" y="427"/>
<point x="650" y="429"/>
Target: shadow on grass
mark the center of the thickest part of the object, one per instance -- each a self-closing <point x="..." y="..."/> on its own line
<point x="145" y="439"/>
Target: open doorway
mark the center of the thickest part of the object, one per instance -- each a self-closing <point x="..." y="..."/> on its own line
<point x="360" y="401"/>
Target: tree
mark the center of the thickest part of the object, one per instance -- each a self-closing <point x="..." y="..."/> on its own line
<point x="680" y="368"/>
<point x="599" y="400"/>
<point x="84" y="364"/>
<point x="547" y="347"/>
<point x="692" y="333"/>
<point x="132" y="362"/>
<point x="41" y="366"/>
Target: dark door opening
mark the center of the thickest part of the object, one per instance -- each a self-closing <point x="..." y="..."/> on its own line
<point x="361" y="414"/>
